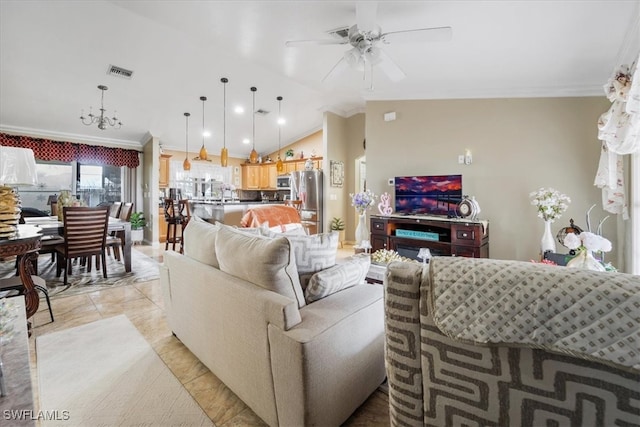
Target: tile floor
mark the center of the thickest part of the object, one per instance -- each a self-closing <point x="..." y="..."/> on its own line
<point x="142" y="303"/>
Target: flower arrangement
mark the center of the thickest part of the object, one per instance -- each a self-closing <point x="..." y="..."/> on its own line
<point x="587" y="241"/>
<point x="362" y="201"/>
<point x="551" y="203"/>
<point x="385" y="256"/>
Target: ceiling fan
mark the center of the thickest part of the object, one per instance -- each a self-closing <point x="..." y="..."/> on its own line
<point x="366" y="36"/>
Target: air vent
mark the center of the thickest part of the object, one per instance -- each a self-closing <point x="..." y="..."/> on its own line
<point x="261" y="112"/>
<point x="119" y="72"/>
<point x="339" y="33"/>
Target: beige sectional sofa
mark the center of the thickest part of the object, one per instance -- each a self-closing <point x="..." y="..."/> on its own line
<point x="296" y="354"/>
<point x="505" y="343"/>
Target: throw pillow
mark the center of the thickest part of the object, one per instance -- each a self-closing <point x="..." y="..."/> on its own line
<point x="268" y="263"/>
<point x="313" y="253"/>
<point x="200" y="241"/>
<point x="336" y="278"/>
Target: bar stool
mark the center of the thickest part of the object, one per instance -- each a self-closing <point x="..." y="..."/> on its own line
<point x="176" y="216"/>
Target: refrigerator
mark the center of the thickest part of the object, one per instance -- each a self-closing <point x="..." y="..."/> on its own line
<point x="306" y="186"/>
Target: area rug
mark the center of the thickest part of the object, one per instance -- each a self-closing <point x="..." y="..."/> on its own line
<point x="106" y="374"/>
<point x="80" y="281"/>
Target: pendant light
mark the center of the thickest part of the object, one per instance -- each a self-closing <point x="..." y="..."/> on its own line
<point x="279" y="165"/>
<point x="224" y="153"/>
<point x="186" y="165"/>
<point x="203" y="151"/>
<point x="253" y="156"/>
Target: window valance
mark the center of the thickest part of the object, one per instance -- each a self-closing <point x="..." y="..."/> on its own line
<point x="46" y="149"/>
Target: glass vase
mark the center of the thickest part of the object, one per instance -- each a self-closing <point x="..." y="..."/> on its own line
<point x="547" y="243"/>
<point x="362" y="232"/>
<point x="586" y="260"/>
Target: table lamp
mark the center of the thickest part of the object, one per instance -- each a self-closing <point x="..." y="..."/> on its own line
<point x="17" y="167"/>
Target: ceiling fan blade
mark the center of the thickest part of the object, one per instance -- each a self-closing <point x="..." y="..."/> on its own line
<point x="419" y="35"/>
<point x="366" y="12"/>
<point x="294" y="43"/>
<point x="337" y="70"/>
<point x="379" y="58"/>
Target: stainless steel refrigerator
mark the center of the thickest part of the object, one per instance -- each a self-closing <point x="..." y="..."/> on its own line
<point x="306" y="186"/>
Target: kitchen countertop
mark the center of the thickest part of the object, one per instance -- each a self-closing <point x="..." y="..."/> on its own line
<point x="232" y="203"/>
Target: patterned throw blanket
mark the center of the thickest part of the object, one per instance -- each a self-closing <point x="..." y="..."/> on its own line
<point x="586" y="314"/>
<point x="275" y="215"/>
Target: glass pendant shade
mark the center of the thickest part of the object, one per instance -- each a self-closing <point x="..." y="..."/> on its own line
<point x="224" y="153"/>
<point x="279" y="165"/>
<point x="186" y="165"/>
<point x="253" y="156"/>
<point x="203" y="151"/>
<point x="224" y="156"/>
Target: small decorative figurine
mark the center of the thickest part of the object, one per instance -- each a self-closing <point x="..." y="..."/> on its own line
<point x="385" y="204"/>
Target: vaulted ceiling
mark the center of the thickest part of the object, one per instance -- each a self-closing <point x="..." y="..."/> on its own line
<point x="54" y="54"/>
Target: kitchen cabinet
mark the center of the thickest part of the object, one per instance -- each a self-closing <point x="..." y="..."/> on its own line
<point x="264" y="176"/>
<point x="165" y="173"/>
<point x="251" y="177"/>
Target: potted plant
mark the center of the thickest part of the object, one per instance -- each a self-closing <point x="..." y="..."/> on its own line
<point x="337" y="224"/>
<point x="138" y="222"/>
<point x="288" y="154"/>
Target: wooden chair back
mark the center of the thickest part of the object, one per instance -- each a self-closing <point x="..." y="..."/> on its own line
<point x="115" y="209"/>
<point x="125" y="211"/>
<point x="85" y="230"/>
<point x="297" y="204"/>
<point x="184" y="211"/>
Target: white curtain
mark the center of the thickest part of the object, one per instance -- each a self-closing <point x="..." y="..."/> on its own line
<point x="619" y="131"/>
<point x="130" y="189"/>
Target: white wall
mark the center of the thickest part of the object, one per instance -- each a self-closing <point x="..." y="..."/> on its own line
<point x="518" y="145"/>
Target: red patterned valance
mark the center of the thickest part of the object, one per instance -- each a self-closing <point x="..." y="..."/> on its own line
<point x="47" y="149"/>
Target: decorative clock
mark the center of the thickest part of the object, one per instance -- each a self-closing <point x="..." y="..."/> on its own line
<point x="468" y="208"/>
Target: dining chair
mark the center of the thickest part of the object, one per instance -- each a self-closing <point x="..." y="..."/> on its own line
<point x="116" y="240"/>
<point x="85" y="232"/>
<point x="114" y="212"/>
<point x="176" y="216"/>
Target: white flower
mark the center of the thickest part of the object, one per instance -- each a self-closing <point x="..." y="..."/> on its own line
<point x="550" y="202"/>
<point x="572" y="241"/>
<point x="587" y="240"/>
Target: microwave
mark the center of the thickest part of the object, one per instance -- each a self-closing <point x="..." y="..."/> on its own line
<point x="283" y="182"/>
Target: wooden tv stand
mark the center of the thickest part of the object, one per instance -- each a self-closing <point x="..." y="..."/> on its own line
<point x="455" y="236"/>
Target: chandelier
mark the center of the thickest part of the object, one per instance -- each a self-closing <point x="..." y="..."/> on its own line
<point x="101" y="120"/>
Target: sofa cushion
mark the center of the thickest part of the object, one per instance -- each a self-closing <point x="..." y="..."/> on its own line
<point x="313" y="253"/>
<point x="200" y="241"/>
<point x="266" y="262"/>
<point x="336" y="278"/>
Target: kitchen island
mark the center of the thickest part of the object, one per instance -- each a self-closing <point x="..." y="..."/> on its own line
<point x="229" y="213"/>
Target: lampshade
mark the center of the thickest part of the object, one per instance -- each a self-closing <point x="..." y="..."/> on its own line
<point x="17" y="166"/>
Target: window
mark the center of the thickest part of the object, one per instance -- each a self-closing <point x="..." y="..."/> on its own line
<point x="93" y="184"/>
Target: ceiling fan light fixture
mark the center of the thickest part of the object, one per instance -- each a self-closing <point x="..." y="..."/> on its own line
<point x="224" y="153"/>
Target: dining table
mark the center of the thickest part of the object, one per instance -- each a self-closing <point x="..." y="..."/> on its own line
<point x="52" y="228"/>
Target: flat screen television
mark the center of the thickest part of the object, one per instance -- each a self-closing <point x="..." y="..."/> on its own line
<point x="428" y="195"/>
